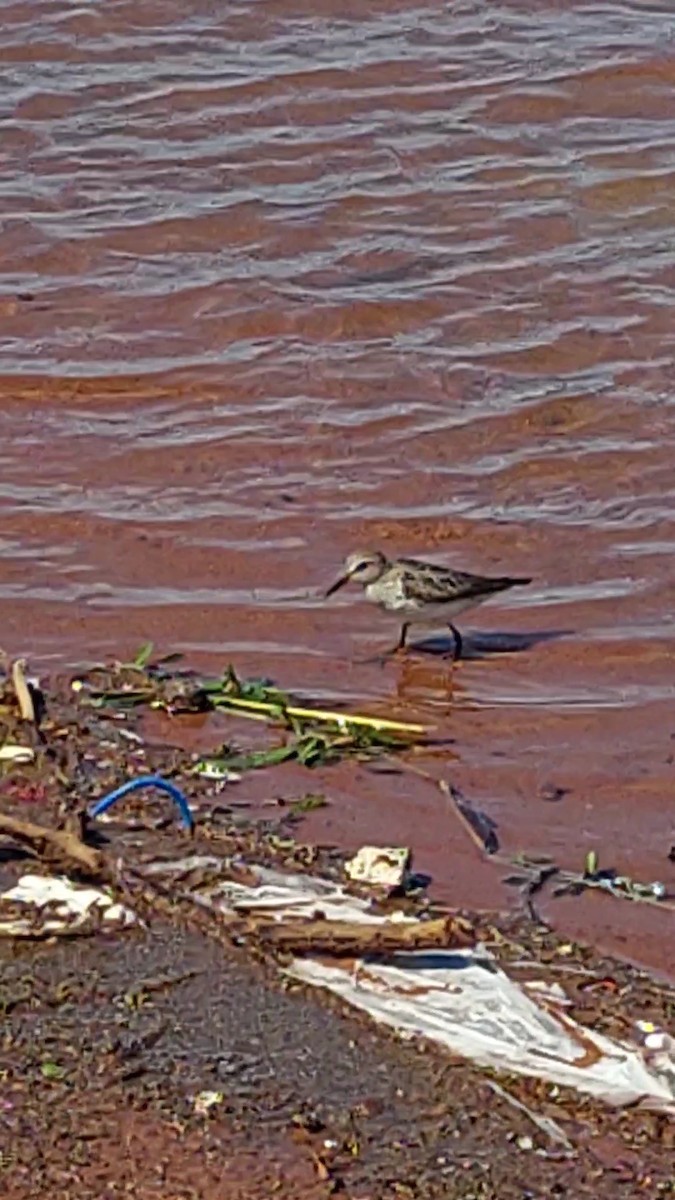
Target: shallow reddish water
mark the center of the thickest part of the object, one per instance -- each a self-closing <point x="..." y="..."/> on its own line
<point x="289" y="278"/>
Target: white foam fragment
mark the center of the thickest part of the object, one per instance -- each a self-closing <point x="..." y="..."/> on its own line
<point x="69" y="906"/>
<point x="381" y="866"/>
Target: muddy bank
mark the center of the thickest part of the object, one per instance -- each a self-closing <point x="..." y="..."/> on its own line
<point x="117" y="1038"/>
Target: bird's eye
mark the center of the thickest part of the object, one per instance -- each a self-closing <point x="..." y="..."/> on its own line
<point x="362" y="566"/>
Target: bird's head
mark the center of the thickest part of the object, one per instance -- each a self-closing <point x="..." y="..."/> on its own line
<point x="363" y="566"/>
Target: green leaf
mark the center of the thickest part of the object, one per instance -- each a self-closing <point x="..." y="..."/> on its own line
<point x="213" y="768"/>
<point x="123" y="699"/>
<point x="213" y="687"/>
<point x="262" y="689"/>
<point x="308" y="803"/>
<point x="143" y="656"/>
<point x="258" y="758"/>
<point x="51" y="1070"/>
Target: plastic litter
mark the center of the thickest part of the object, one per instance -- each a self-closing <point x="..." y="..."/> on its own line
<point x="101" y="806"/>
<point x="212" y="770"/>
<point x="277" y="894"/>
<point x="69" y="906"/>
<point x="658" y="1048"/>
<point x="382" y="866"/>
<point x="205" y="1101"/>
<point x="16" y="754"/>
<point x="459" y="999"/>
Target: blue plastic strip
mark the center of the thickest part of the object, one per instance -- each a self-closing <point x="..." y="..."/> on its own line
<point x="133" y="785"/>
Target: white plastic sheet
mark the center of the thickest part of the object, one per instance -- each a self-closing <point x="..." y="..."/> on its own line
<point x="461" y="1000"/>
<point x="453" y="998"/>
<point x="284" y="896"/>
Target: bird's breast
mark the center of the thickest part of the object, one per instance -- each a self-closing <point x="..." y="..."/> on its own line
<point x="390" y="596"/>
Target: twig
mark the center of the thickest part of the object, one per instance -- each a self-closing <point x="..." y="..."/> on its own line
<point x="466" y="825"/>
<point x="62" y="843"/>
<point x="446" y="789"/>
<point x="347" y="938"/>
<point x="559" y="968"/>
<point x="23" y="693"/>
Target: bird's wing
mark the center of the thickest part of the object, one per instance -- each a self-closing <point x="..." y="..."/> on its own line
<point x="427" y="583"/>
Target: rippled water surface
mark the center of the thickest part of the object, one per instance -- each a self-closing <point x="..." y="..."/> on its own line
<point x="278" y="279"/>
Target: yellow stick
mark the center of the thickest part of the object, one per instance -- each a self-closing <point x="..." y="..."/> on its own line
<point x="317" y="714"/>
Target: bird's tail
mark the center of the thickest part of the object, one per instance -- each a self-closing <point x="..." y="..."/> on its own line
<point x="509" y="581"/>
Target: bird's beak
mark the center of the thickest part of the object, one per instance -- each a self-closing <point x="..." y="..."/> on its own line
<point x="334" y="587"/>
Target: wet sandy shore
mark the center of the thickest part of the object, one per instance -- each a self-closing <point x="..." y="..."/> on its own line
<point x="110" y="1038"/>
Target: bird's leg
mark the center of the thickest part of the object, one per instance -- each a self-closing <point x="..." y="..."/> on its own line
<point x="459" y="645"/>
<point x="400" y="645"/>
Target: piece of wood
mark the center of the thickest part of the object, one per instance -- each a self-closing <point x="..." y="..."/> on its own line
<point x="61" y="844"/>
<point x="23" y="692"/>
<point x="354" y="939"/>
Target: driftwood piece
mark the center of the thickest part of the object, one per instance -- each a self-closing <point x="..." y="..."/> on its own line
<point x="61" y="845"/>
<point x="23" y="691"/>
<point x="354" y="938"/>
